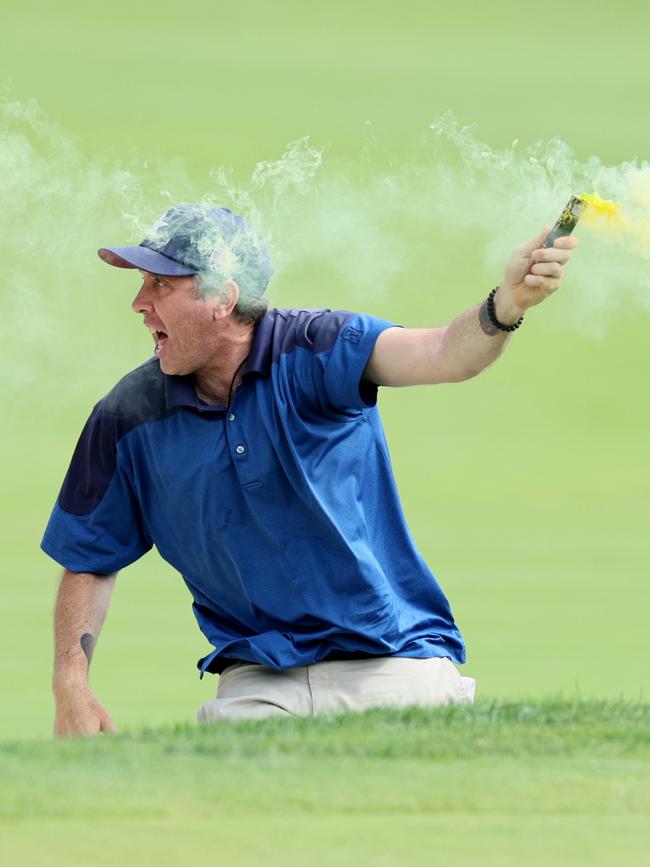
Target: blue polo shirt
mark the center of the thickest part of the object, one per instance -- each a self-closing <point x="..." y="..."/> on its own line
<point x="280" y="511"/>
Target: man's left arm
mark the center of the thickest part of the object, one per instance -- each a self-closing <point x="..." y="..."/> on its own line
<point x="462" y="349"/>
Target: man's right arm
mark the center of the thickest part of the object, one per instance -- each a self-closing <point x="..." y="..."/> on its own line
<point x="81" y="606"/>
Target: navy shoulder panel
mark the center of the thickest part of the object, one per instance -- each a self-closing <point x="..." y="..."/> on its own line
<point x="282" y="329"/>
<point x="315" y="330"/>
<point x="138" y="398"/>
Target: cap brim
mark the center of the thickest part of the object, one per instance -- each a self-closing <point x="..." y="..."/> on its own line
<point x="144" y="258"/>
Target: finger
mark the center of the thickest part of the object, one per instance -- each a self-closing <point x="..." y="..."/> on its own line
<point x="546" y="285"/>
<point x="551" y="254"/>
<point x="566" y="242"/>
<point x="548" y="269"/>
<point x="107" y="724"/>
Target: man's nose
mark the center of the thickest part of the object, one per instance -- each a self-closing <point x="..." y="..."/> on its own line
<point x="141" y="303"/>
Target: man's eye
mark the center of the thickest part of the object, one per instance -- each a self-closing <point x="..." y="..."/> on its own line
<point x="158" y="282"/>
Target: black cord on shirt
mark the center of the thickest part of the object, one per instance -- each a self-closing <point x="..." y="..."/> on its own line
<point x="232" y="383"/>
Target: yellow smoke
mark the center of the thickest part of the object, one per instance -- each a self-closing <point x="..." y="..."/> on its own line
<point x="606" y="216"/>
<point x="598" y="206"/>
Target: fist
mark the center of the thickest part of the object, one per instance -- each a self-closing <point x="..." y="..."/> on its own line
<point x="79" y="713"/>
<point x="534" y="272"/>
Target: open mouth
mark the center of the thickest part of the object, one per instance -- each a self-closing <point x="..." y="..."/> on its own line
<point x="160" y="339"/>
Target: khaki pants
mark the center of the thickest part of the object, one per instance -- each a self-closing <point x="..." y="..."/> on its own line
<point x="248" y="691"/>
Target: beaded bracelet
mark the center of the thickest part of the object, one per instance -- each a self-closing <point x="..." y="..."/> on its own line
<point x="492" y="315"/>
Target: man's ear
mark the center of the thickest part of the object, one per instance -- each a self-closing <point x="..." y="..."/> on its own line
<point x="226" y="301"/>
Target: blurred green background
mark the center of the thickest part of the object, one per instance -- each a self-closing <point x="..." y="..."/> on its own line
<point x="526" y="489"/>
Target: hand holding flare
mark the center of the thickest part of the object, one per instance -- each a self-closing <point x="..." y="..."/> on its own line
<point x="536" y="269"/>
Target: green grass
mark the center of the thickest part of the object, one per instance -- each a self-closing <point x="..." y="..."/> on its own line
<point x="546" y="782"/>
<point x="487" y="728"/>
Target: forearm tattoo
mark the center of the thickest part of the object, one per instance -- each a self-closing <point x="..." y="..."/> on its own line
<point x="87" y="643"/>
<point x="484" y="320"/>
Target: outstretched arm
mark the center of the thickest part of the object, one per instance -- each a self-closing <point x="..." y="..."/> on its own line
<point x="462" y="349"/>
<point x="81" y="606"/>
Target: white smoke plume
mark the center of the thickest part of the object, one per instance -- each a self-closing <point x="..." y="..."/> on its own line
<point x="390" y="230"/>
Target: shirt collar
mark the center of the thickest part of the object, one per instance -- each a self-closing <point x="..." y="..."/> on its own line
<point x="260" y="355"/>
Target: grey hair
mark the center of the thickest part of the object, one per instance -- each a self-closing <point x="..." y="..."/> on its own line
<point x="249" y="308"/>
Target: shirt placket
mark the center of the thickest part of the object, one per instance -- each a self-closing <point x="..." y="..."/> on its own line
<point x="239" y="444"/>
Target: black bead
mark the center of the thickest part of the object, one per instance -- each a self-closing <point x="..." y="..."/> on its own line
<point x="491" y="312"/>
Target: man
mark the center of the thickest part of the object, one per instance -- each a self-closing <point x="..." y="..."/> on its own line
<point x="249" y="450"/>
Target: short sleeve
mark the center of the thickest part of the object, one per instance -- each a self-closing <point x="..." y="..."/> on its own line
<point x="96" y="524"/>
<point x="341" y="344"/>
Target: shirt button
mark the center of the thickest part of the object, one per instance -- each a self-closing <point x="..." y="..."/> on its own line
<point x="231" y="417"/>
<point x="240" y="450"/>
